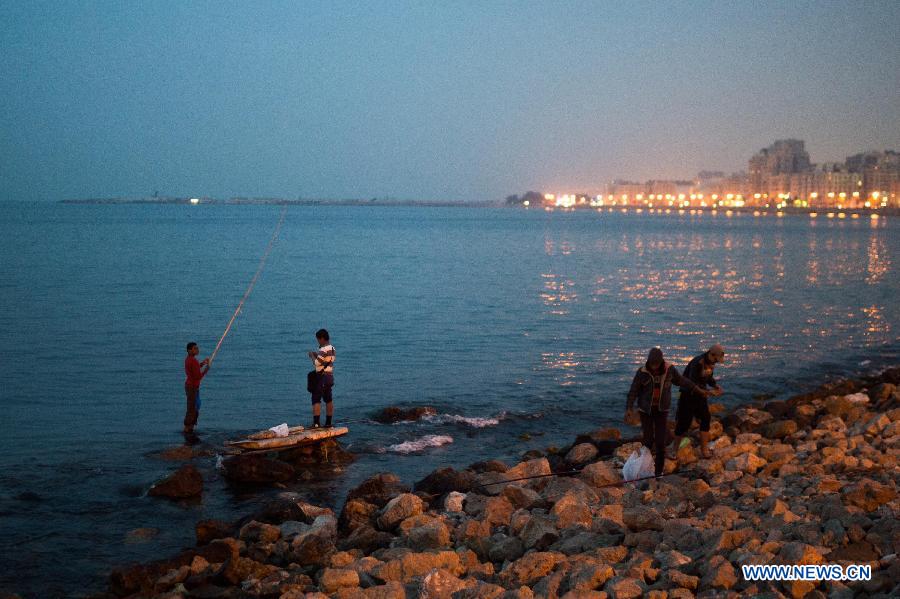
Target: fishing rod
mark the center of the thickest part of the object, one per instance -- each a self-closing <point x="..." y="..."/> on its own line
<point x="259" y="269"/>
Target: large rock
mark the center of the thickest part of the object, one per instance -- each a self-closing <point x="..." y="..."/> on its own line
<point x="623" y="587"/>
<point x="799" y="553"/>
<point x="559" y="486"/>
<point x="240" y="569"/>
<point x="679" y="579"/>
<point x="881" y="392"/>
<point x="432" y="535"/>
<point x="312" y="550"/>
<point x="529" y="569"/>
<point x="746" y="418"/>
<point x="497" y="511"/>
<point x="259" y="532"/>
<point x="315" y="545"/>
<point x="522" y="497"/>
<point x="581" y="454"/>
<point x="441" y="584"/>
<point x="601" y="434"/>
<point x="207" y="531"/>
<point x="871" y="425"/>
<point x="185" y="482"/>
<point x="333" y="579"/>
<point x="391" y="590"/>
<point x="868" y="494"/>
<point x="378" y="489"/>
<point x="586" y="577"/>
<point x="780" y="429"/>
<point x="539" y="533"/>
<point x="399" y="509"/>
<point x="356" y="513"/>
<point x="410" y="565"/>
<point x="454" y="501"/>
<point x="393" y="414"/>
<point x="642" y="517"/>
<point x="838" y="405"/>
<point x="536" y="467"/>
<point x="505" y="549"/>
<point x="571" y="510"/>
<point x="488" y="466"/>
<point x="257" y="469"/>
<point x="365" y="539"/>
<point x="582" y="542"/>
<point x="600" y="474"/>
<point x="745" y="462"/>
<point x="719" y="573"/>
<point x="289" y="507"/>
<point x="446" y="480"/>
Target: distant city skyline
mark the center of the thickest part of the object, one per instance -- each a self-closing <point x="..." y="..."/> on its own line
<point x="779" y="176"/>
<point x="428" y="101"/>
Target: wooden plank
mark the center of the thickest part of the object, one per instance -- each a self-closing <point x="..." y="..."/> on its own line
<point x="302" y="437"/>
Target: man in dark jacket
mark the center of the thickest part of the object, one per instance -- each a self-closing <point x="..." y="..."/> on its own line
<point x="694" y="405"/>
<point x="652" y="390"/>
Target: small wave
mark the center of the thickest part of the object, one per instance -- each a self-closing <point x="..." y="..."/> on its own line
<point x="472" y="421"/>
<point x="421" y="444"/>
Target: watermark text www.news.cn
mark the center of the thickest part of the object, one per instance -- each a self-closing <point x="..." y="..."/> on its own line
<point x="807" y="572"/>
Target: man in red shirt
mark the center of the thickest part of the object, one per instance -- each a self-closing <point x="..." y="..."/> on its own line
<point x="195" y="371"/>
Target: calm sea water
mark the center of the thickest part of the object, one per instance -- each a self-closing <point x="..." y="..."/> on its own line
<point x="521" y="322"/>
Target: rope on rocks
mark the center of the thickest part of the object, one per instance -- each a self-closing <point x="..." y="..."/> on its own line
<point x="259" y="269"/>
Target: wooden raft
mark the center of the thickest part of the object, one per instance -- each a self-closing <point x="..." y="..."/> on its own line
<point x="297" y="437"/>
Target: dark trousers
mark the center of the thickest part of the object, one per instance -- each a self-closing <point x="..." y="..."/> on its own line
<point x="193" y="409"/>
<point x="692" y="406"/>
<point x="323" y="388"/>
<point x="656" y="434"/>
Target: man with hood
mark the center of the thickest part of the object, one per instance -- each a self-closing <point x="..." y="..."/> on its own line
<point x="652" y="390"/>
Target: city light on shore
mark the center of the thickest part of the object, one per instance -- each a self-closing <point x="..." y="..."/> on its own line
<point x="780" y="177"/>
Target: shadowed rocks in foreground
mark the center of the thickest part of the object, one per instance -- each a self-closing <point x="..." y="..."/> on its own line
<point x="809" y="480"/>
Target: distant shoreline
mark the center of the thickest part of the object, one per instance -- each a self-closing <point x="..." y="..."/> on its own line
<point x="284" y="202"/>
<point x="853" y="213"/>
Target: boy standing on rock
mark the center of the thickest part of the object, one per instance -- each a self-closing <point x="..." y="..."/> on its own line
<point x="694" y="405"/>
<point x="323" y="361"/>
<point x="194" y="372"/>
<point x="652" y="390"/>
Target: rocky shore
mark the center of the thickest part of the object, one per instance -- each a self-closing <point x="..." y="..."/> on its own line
<point x="809" y="480"/>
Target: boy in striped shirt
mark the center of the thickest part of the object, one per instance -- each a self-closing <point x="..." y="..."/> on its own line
<point x="323" y="361"/>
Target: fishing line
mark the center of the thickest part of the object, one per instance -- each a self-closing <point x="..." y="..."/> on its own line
<point x="577" y="471"/>
<point x="240" y="305"/>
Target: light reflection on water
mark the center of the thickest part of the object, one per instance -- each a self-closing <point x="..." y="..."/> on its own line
<point x="762" y="290"/>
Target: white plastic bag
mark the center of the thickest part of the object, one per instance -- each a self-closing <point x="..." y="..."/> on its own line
<point x="281" y="430"/>
<point x="638" y="465"/>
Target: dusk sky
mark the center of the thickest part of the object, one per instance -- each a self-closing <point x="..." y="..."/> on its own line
<point x="432" y="101"/>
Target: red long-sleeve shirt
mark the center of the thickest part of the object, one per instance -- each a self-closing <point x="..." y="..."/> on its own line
<point x="193" y="372"/>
